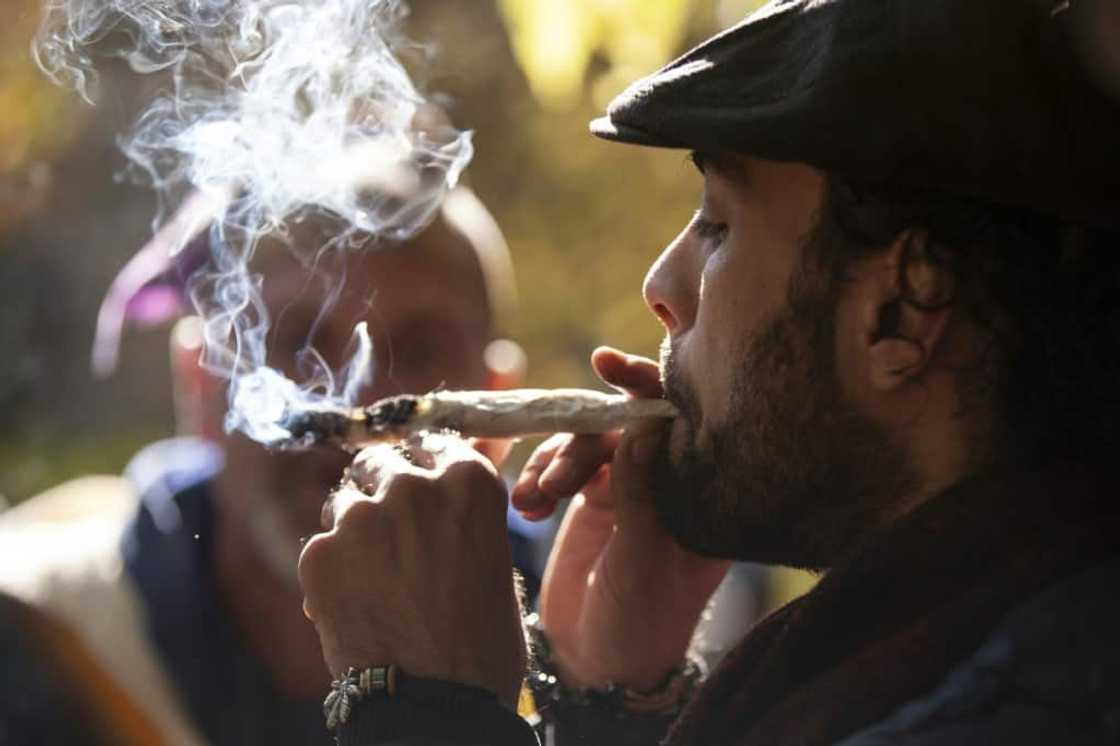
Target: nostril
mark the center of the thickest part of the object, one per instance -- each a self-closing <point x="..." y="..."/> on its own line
<point x="664" y="315"/>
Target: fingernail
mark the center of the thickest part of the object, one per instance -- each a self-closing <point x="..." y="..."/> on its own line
<point x="537" y="514"/>
<point x="644" y="448"/>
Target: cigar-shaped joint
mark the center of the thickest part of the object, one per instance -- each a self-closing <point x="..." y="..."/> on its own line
<point x="486" y="414"/>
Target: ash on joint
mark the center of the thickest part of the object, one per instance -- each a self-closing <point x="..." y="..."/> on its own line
<point x="392" y="412"/>
<point x="312" y="426"/>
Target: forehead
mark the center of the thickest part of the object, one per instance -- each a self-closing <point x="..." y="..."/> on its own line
<point x="785" y="197"/>
<point x="436" y="269"/>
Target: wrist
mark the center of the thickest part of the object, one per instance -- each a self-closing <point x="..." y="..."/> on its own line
<point x="386" y="705"/>
<point x="557" y="688"/>
<point x="586" y="670"/>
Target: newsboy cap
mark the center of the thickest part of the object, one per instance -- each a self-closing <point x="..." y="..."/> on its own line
<point x="987" y="98"/>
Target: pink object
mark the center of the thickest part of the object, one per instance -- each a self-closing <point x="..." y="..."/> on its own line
<point x="151" y="288"/>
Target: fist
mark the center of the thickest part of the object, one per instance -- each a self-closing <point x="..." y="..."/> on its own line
<point x="415" y="568"/>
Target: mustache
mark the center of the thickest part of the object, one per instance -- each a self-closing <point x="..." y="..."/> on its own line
<point x="675" y="384"/>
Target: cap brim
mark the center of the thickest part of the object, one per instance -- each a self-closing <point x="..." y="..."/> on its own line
<point x="607" y="129"/>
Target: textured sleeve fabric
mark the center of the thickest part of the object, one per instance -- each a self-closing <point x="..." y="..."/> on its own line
<point x="598" y="727"/>
<point x="403" y="722"/>
<point x="1042" y="677"/>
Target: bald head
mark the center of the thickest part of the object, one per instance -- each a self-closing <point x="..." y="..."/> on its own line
<point x="462" y="250"/>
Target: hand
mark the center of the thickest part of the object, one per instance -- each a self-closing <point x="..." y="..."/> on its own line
<point x="620" y="598"/>
<point x="415" y="569"/>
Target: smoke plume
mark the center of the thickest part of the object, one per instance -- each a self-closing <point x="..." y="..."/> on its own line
<point x="275" y="109"/>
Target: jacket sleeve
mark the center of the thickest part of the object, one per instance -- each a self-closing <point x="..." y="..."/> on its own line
<point x="401" y="722"/>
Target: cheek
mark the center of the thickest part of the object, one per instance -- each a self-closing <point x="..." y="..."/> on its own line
<point x="724" y="315"/>
<point x="737" y="299"/>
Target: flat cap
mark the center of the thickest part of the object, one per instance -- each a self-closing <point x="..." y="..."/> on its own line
<point x="992" y="99"/>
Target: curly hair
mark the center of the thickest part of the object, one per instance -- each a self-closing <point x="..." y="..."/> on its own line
<point x="1043" y="294"/>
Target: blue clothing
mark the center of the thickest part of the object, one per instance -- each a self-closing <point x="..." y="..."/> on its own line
<point x="168" y="551"/>
<point x="1046" y="675"/>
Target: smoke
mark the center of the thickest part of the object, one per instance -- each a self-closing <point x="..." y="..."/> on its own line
<point x="275" y="110"/>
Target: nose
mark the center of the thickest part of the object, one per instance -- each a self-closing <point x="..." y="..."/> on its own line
<point x="671" y="287"/>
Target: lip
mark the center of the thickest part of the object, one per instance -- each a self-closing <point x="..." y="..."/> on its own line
<point x="673" y="388"/>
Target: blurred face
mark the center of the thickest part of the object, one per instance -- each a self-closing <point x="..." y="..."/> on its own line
<point x="426" y="308"/>
<point x="767" y="462"/>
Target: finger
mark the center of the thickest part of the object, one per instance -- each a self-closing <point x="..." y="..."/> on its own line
<point x="635" y="375"/>
<point x="369" y="466"/>
<point x="446" y="449"/>
<point x="631" y="470"/>
<point x="495" y="449"/>
<point x="575" y="463"/>
<point x="337" y="503"/>
<point x="526" y="495"/>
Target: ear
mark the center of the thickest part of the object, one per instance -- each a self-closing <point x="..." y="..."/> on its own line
<point x="199" y="397"/>
<point x="906" y="313"/>
<point x="506" y="363"/>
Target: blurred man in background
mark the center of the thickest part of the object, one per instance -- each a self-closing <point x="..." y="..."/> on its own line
<point x="174" y="587"/>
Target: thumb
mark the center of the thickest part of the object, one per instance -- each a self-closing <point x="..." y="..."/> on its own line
<point x="638" y="376"/>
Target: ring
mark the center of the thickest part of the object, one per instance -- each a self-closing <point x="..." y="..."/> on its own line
<point x="405" y="452"/>
<point x="354" y="685"/>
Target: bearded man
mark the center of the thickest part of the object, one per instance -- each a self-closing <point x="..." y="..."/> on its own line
<point x="892" y="336"/>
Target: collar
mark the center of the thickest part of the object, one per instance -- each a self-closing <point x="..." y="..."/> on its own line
<point x="889" y="621"/>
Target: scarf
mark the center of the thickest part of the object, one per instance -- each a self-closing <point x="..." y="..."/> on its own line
<point x="888" y="622"/>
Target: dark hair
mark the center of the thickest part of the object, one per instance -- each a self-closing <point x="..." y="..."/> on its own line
<point x="1044" y="295"/>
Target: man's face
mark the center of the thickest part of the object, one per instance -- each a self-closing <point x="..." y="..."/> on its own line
<point x="426" y="309"/>
<point x="768" y="461"/>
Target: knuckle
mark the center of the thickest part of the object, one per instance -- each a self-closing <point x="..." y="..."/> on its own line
<point x="475" y="487"/>
<point x="369" y="464"/>
<point x="314" y="561"/>
<point x="359" y="516"/>
<point x="470" y="475"/>
<point x="407" y="484"/>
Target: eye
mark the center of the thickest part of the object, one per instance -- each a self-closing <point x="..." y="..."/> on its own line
<point x="709" y="230"/>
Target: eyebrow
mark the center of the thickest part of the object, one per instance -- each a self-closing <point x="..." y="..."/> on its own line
<point x="721" y="163"/>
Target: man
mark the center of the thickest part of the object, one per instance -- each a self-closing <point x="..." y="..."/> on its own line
<point x="175" y="587"/>
<point x="892" y="336"/>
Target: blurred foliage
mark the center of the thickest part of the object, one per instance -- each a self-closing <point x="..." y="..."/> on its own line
<point x="40" y="121"/>
<point x="558" y="44"/>
<point x="37" y="460"/>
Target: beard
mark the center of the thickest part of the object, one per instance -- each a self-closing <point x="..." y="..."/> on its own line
<point x="795" y="475"/>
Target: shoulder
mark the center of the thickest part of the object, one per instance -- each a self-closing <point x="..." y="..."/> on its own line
<point x="61" y="557"/>
<point x="1048" y="673"/>
<point x="65" y="537"/>
<point x="69" y="538"/>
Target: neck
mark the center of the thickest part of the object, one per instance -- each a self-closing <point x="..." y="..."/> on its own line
<point x="268" y="613"/>
<point x="940" y="442"/>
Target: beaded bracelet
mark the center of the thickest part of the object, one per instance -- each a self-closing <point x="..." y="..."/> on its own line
<point x="635" y="716"/>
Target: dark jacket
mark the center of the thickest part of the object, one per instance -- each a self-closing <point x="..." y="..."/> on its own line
<point x="987" y="616"/>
